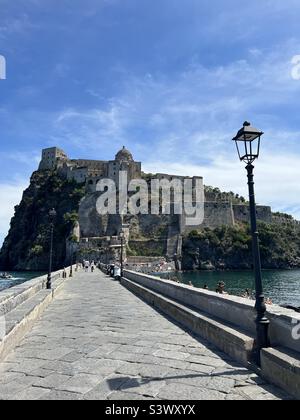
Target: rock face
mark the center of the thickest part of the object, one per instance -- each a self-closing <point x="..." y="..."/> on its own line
<point x="231" y="247"/>
<point x="222" y="241"/>
<point x="27" y="244"/>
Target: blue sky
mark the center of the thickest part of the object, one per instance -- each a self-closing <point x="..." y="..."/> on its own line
<point x="173" y="80"/>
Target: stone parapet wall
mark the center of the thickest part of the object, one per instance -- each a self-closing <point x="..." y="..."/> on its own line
<point x="231" y="309"/>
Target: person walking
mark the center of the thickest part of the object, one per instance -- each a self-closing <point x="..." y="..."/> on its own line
<point x="117" y="273"/>
<point x="86" y="266"/>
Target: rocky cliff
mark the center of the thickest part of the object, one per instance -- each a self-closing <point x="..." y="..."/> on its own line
<point x="212" y="246"/>
<point x="231" y="247"/>
<point x="27" y="244"/>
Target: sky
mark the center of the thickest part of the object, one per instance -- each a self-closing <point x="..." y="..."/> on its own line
<point x="172" y="80"/>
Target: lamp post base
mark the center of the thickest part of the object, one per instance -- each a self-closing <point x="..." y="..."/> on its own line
<point x="262" y="339"/>
<point x="262" y="327"/>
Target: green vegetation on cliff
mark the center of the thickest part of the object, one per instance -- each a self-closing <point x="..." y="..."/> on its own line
<point x="231" y="247"/>
<point x="149" y="248"/>
<point x="27" y="244"/>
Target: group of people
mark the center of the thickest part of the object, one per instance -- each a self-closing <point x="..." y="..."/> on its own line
<point x="114" y="270"/>
<point x="247" y="294"/>
<point x="89" y="266"/>
<point x="221" y="288"/>
<point x="5" y="276"/>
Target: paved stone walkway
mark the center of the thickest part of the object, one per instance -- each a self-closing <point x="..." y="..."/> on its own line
<point x="98" y="341"/>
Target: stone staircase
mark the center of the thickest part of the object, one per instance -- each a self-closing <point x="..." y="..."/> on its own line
<point x="168" y="297"/>
<point x="21" y="306"/>
<point x="212" y="320"/>
<point x="281" y="366"/>
<point x="173" y="241"/>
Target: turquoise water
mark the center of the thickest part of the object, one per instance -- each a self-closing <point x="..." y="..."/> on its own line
<point x="18" y="278"/>
<point x="283" y="287"/>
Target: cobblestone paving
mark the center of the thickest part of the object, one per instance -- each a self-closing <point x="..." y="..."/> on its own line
<point x="98" y="341"/>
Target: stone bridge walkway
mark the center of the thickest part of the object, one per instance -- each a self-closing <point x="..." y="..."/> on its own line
<point x="99" y="341"/>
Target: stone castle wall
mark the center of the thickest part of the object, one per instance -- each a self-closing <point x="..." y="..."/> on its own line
<point x="50" y="157"/>
<point x="89" y="171"/>
<point x="218" y="207"/>
<point x="242" y="213"/>
<point x="218" y="214"/>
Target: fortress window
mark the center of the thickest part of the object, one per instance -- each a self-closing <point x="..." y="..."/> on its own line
<point x="91" y="182"/>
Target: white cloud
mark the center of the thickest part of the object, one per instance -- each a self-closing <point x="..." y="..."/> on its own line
<point x="276" y="178"/>
<point x="16" y="26"/>
<point x="184" y="125"/>
<point x="22" y="158"/>
<point x="95" y="129"/>
<point x="202" y="105"/>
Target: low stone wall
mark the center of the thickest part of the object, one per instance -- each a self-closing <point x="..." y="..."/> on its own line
<point x="231" y="309"/>
<point x="16" y="295"/>
<point x="144" y="260"/>
<point x="22" y="305"/>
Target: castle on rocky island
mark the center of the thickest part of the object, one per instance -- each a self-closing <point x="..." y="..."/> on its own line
<point x="90" y="171"/>
<point x="164" y="231"/>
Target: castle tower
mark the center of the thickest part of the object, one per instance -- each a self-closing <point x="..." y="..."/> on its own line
<point x="124" y="162"/>
<point x="51" y="157"/>
<point x="124" y="155"/>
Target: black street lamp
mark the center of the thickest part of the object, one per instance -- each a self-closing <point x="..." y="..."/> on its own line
<point x="248" y="147"/>
<point x="72" y="258"/>
<point x="52" y="216"/>
<point x="199" y="261"/>
<point x="122" y="236"/>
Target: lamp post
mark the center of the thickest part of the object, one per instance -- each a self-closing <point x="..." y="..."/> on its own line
<point x="122" y="236"/>
<point x="107" y="250"/>
<point x="248" y="146"/>
<point x="52" y="216"/>
<point x="72" y="258"/>
<point x="199" y="262"/>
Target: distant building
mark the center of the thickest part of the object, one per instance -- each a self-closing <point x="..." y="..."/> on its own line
<point x="51" y="157"/>
<point x="90" y="171"/>
<point x="217" y="210"/>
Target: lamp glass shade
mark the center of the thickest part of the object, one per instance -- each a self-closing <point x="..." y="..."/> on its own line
<point x="248" y="143"/>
